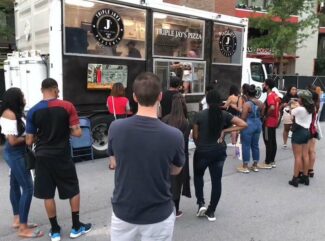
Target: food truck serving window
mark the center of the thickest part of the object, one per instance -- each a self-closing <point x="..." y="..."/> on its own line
<point x="98" y="28"/>
<point x="177" y="37"/>
<point x="190" y="73"/>
<point x="227" y="44"/>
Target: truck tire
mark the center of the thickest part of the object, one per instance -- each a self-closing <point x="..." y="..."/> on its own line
<point x="99" y="129"/>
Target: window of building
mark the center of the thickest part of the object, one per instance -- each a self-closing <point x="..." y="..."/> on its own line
<point x="257" y="5"/>
<point x="3" y="20"/>
<point x="321" y="46"/>
<point x="227" y="46"/>
<point x="177" y="37"/>
<point x="98" y="28"/>
<point x="191" y="73"/>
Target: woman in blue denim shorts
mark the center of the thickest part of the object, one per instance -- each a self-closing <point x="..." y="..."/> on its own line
<point x="13" y="127"/>
<point x="300" y="137"/>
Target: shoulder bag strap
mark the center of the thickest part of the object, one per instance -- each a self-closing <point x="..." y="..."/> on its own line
<point x="113" y="107"/>
<point x="254" y="108"/>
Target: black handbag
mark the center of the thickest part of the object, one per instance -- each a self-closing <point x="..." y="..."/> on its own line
<point x="30" y="158"/>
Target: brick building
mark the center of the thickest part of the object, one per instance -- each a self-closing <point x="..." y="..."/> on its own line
<point x="219" y="6"/>
<point x="302" y="62"/>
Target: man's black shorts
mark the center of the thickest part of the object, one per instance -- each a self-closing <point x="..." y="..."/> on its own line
<point x="55" y="172"/>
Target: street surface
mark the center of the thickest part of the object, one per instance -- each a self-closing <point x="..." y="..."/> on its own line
<point x="253" y="207"/>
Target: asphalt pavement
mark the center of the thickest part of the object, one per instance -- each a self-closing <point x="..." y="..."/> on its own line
<point x="253" y="207"/>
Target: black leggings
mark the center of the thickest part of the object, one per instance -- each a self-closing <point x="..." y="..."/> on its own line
<point x="214" y="160"/>
<point x="269" y="136"/>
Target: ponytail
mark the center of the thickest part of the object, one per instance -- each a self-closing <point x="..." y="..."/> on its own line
<point x="215" y="113"/>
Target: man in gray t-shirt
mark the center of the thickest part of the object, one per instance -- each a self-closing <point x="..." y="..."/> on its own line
<point x="145" y="152"/>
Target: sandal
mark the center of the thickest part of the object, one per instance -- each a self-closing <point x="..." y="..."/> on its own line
<point x="29" y="225"/>
<point x="37" y="233"/>
<point x="311" y="173"/>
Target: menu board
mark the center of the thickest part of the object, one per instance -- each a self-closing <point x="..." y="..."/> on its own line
<point x="103" y="76"/>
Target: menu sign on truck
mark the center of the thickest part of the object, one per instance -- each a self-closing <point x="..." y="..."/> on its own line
<point x="103" y="76"/>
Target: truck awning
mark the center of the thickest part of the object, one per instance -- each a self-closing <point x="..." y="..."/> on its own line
<point x="270" y="59"/>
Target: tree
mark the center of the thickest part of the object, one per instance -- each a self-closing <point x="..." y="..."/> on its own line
<point x="6" y="10"/>
<point x="279" y="34"/>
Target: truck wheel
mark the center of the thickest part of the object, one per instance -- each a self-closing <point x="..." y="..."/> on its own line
<point x="99" y="129"/>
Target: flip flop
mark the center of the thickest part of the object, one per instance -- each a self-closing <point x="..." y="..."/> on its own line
<point x="29" y="225"/>
<point x="37" y="233"/>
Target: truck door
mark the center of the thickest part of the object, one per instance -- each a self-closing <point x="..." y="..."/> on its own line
<point x="227" y="55"/>
<point x="257" y="77"/>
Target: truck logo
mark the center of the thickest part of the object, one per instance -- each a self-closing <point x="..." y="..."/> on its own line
<point x="258" y="92"/>
<point x="228" y="43"/>
<point x="107" y="27"/>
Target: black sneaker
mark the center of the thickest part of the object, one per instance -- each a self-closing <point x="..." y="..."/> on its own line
<point x="201" y="210"/>
<point x="210" y="216"/>
<point x="179" y="214"/>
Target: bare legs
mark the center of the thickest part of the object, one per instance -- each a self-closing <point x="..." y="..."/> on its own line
<point x="51" y="207"/>
<point x="75" y="203"/>
<point x="285" y="134"/>
<point x="15" y="223"/>
<point x="312" y="154"/>
<point x="301" y="154"/>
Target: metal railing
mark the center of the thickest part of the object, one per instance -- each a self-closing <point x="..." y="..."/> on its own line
<point x="299" y="81"/>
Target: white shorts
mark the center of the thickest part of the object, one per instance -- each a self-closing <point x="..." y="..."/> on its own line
<point x="124" y="231"/>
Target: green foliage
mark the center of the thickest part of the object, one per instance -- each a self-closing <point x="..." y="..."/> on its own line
<point x="6" y="9"/>
<point x="282" y="36"/>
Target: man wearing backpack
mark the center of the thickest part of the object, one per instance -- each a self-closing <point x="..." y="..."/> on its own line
<point x="270" y="123"/>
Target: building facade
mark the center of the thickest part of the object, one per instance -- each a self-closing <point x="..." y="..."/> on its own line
<point x="303" y="62"/>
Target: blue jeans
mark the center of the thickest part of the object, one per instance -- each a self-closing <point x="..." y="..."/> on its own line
<point x="20" y="179"/>
<point x="250" y="138"/>
<point x="214" y="160"/>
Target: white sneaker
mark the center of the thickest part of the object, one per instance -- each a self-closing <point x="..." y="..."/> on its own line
<point x="201" y="211"/>
<point x="243" y="169"/>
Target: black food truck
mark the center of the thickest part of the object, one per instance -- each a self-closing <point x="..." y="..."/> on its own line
<point x="87" y="46"/>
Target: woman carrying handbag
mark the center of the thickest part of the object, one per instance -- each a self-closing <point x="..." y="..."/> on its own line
<point x="13" y="127"/>
<point x="117" y="103"/>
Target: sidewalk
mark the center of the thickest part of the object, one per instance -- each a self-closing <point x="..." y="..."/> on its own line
<point x="253" y="207"/>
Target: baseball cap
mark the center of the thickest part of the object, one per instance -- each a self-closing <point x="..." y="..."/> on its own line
<point x="306" y="95"/>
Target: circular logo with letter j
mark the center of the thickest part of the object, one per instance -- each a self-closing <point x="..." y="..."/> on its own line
<point x="107" y="27"/>
<point x="228" y="43"/>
